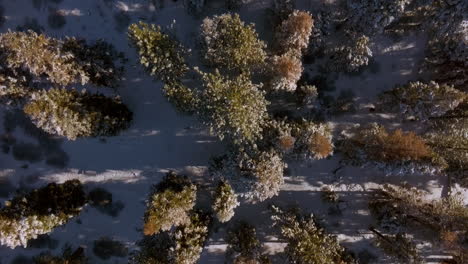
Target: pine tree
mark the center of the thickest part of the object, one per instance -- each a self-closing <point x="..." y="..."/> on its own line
<point x="372" y="16"/>
<point x="71" y="114"/>
<point x="285" y="72"/>
<point x="392" y="151"/>
<point x="293" y="34"/>
<point x="243" y="245"/>
<point x="422" y="100"/>
<point x="228" y="42"/>
<point x="448" y="136"/>
<point x="98" y="60"/>
<point x="161" y="54"/>
<point x="225" y="201"/>
<point x="352" y="56"/>
<point x="169" y="204"/>
<point x="307" y="242"/>
<point x="41" y="55"/>
<point x="447" y="59"/>
<point x="39" y="212"/>
<point x="190" y="238"/>
<point x="233" y="108"/>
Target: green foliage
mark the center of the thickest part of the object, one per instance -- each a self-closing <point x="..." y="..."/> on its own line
<point x="169" y="204"/>
<point x="393" y="151"/>
<point x="68" y="257"/>
<point x="449" y="138"/>
<point x="190" y="238"/>
<point x="352" y="56"/>
<point x="71" y="114"/>
<point x="307" y="243"/>
<point x="244" y="245"/>
<point x="422" y="100"/>
<point x="225" y="201"/>
<point x="228" y="42"/>
<point x="160" y="53"/>
<point x="184" y="99"/>
<point x="41" y="55"/>
<point x="233" y="108"/>
<point x="97" y="60"/>
<point x="39" y="212"/>
<point x="180" y="246"/>
<point x="153" y="250"/>
<point x="256" y="175"/>
<point x="400" y="246"/>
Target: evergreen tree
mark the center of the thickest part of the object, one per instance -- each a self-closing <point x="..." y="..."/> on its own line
<point x="255" y="175"/>
<point x="225" y="201"/>
<point x="448" y="136"/>
<point x="39" y="212"/>
<point x="233" y="108"/>
<point x="306" y="242"/>
<point x="41" y="55"/>
<point x="243" y="245"/>
<point x="294" y="32"/>
<point x="169" y="204"/>
<point x="184" y="99"/>
<point x="392" y="151"/>
<point x="352" y="56"/>
<point x="160" y="53"/>
<point x="422" y="100"/>
<point x="285" y="71"/>
<point x="372" y="16"/>
<point x="98" y="60"/>
<point x="190" y="238"/>
<point x="72" y="114"/>
<point x="228" y="42"/>
<point x="447" y="59"/>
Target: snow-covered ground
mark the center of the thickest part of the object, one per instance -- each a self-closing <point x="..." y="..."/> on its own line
<point x="161" y="139"/>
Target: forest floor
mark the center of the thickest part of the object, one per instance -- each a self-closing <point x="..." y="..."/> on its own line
<point x="161" y="139"/>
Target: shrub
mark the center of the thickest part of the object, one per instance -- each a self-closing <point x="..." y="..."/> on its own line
<point x="233" y="108"/>
<point x="160" y="53"/>
<point x="293" y="34"/>
<point x="39" y="212"/>
<point x="228" y="42"/>
<point x="169" y="204"/>
<point x="244" y="245"/>
<point x="306" y="242"/>
<point x="397" y="151"/>
<point x="421" y="100"/>
<point x="225" y="201"/>
<point x="285" y="71"/>
<point x="68" y="257"/>
<point x="72" y="114"/>
<point x="351" y="57"/>
<point x="97" y="60"/>
<point x="41" y="56"/>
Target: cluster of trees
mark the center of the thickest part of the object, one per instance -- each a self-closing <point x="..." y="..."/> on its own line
<point x="395" y="207"/>
<point x="37" y="71"/>
<point x="232" y="105"/>
<point x="26" y="216"/>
